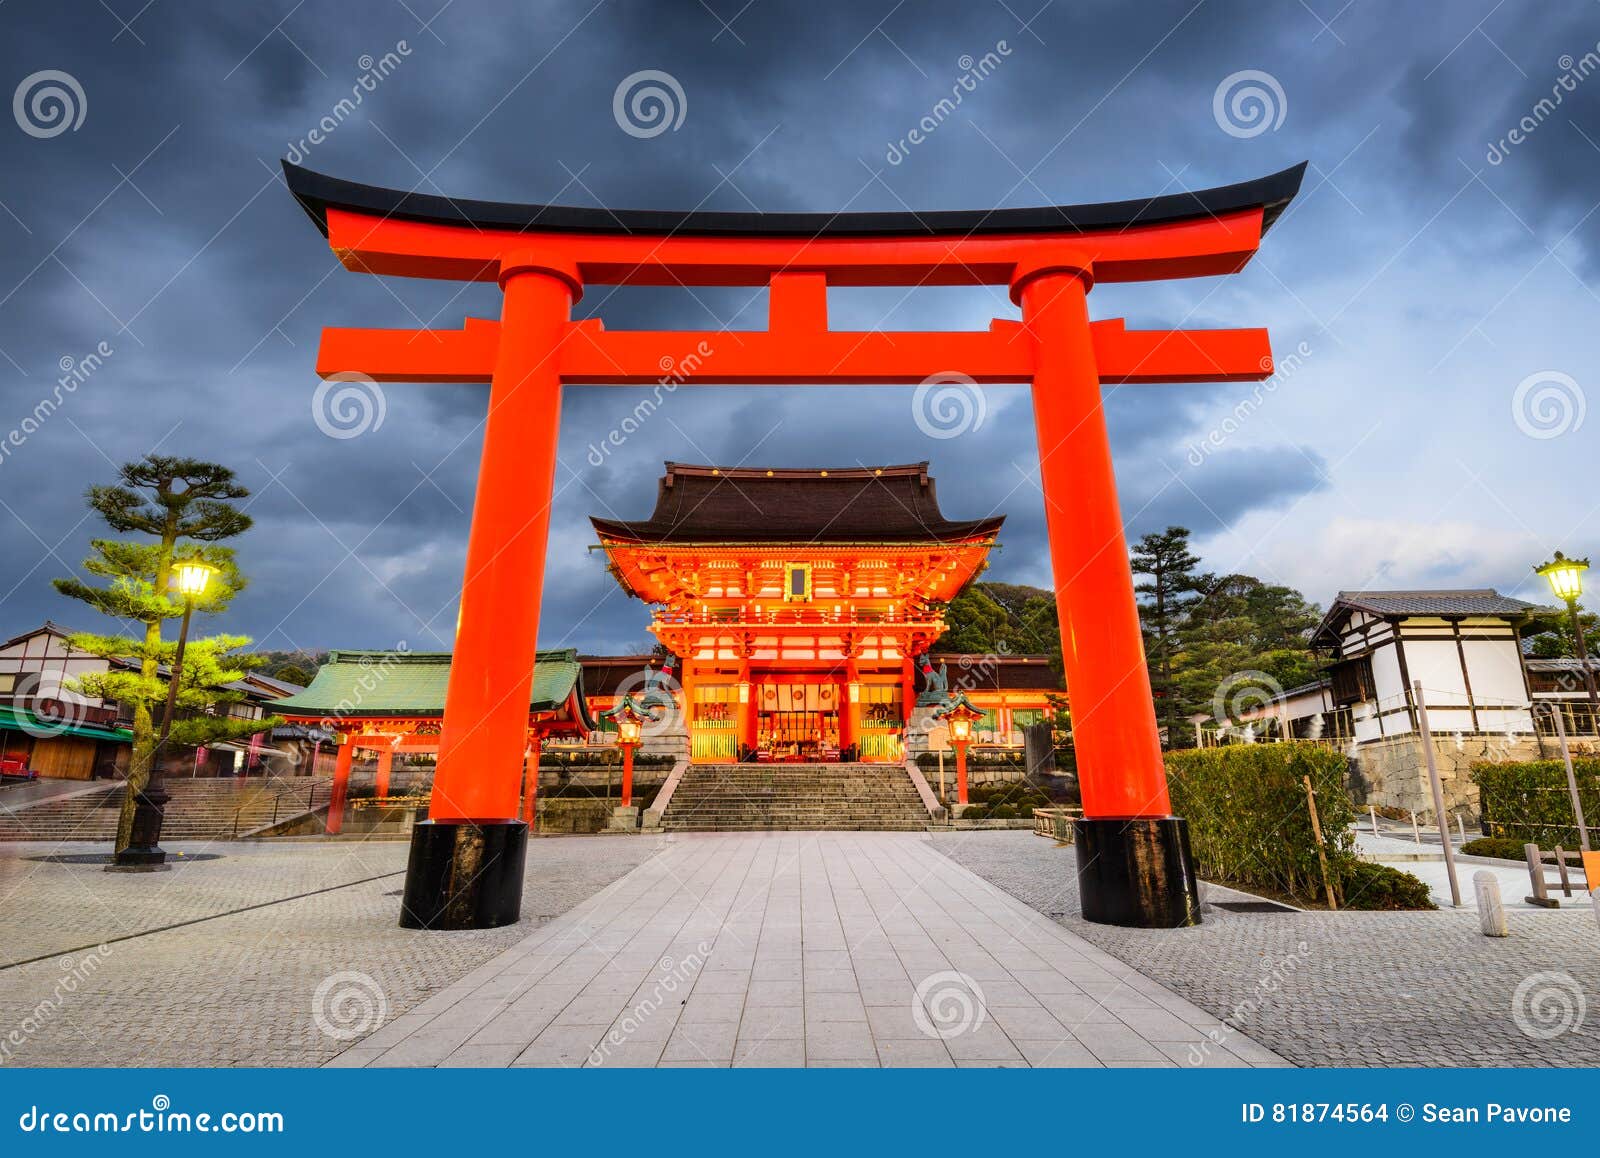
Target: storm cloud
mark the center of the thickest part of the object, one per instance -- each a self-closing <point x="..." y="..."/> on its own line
<point x="1441" y="257"/>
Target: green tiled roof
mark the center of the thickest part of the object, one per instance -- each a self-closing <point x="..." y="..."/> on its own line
<point x="412" y="683"/>
<point x="20" y="719"/>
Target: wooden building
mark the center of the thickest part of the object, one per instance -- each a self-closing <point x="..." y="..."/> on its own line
<point x="797" y="603"/>
<point x="389" y="702"/>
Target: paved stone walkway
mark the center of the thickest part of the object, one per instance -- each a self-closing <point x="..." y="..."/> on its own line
<point x="320" y="961"/>
<point x="815" y="949"/>
<point x="1349" y="989"/>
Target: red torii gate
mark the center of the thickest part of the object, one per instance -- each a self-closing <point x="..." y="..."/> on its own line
<point x="466" y="863"/>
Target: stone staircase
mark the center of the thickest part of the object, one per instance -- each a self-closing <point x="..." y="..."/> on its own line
<point x="753" y="797"/>
<point x="209" y="809"/>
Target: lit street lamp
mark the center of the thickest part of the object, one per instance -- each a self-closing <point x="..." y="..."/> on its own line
<point x="1566" y="580"/>
<point x="961" y="715"/>
<point x="629" y="720"/>
<point x="144" y="851"/>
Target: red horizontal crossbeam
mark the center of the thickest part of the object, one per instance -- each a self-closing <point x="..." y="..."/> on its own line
<point x="1201" y="247"/>
<point x="591" y="355"/>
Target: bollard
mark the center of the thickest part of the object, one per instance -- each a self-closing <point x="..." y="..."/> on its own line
<point x="1461" y="827"/>
<point x="1491" y="913"/>
<point x="1416" y="832"/>
<point x="1372" y="813"/>
<point x="1541" y="891"/>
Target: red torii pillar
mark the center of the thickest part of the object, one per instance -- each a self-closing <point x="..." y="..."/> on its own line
<point x="466" y="866"/>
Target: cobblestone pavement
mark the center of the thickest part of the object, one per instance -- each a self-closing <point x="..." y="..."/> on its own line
<point x="1356" y="989"/>
<point x="242" y="987"/>
<point x="813" y="949"/>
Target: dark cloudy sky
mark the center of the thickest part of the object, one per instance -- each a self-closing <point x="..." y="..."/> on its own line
<point x="1444" y="301"/>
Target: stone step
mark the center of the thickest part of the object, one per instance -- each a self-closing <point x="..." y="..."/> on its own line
<point x="799" y="797"/>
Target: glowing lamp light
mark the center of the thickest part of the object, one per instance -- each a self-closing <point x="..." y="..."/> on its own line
<point x="1565" y="575"/>
<point x="960" y="729"/>
<point x="192" y="575"/>
<point x="628" y="731"/>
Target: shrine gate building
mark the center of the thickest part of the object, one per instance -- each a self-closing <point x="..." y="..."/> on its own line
<point x="796" y="601"/>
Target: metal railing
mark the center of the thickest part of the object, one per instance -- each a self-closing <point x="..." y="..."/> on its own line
<point x="1055" y="823"/>
<point x="277" y="803"/>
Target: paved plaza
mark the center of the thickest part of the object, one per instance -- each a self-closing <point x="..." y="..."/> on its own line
<point x="1348" y="989"/>
<point x="813" y="949"/>
<point x="776" y="949"/>
<point x="220" y="962"/>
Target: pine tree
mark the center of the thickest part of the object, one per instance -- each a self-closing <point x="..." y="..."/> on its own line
<point x="1169" y="592"/>
<point x="183" y="504"/>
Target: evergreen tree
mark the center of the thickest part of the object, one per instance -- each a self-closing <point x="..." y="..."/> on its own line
<point x="1168" y="593"/>
<point x="185" y="505"/>
<point x="292" y="673"/>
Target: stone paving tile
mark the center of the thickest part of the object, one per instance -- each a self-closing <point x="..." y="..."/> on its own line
<point x="790" y="949"/>
<point x="1313" y="988"/>
<point x="238" y="987"/>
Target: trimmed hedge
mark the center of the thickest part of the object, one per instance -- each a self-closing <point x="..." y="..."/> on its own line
<point x="1369" y="886"/>
<point x="1249" y="823"/>
<point x="1527" y="800"/>
<point x="1495" y="846"/>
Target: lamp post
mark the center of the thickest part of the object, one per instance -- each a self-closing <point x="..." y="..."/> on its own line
<point x="1566" y="580"/>
<point x="144" y="852"/>
<point x="628" y="738"/>
<point x="961" y="716"/>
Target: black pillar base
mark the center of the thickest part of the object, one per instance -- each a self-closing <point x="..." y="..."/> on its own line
<point x="1137" y="873"/>
<point x="144" y="852"/>
<point x="464" y="874"/>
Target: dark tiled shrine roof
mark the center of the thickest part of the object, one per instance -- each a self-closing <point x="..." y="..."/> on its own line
<point x="317" y="193"/>
<point x="1470" y="601"/>
<point x="889" y="504"/>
